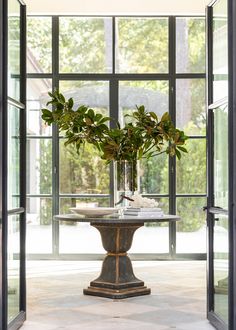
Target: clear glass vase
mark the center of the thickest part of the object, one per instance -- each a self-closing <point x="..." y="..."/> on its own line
<point x="126" y="181"/>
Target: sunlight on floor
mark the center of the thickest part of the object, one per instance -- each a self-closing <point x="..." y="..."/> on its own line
<point x="56" y="301"/>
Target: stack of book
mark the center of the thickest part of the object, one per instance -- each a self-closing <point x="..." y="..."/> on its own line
<point x="144" y="212"/>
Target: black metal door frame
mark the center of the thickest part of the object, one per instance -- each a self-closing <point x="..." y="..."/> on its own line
<point x="232" y="161"/>
<point x="232" y="169"/>
<point x="211" y="315"/>
<point x="4" y="212"/>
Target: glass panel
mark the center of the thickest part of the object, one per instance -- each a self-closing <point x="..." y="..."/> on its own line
<point x="190" y="106"/>
<point x="39" y="166"/>
<point x="221" y="156"/>
<point x="153" y="237"/>
<point x="153" y="94"/>
<point x="191" y="229"/>
<point x="83" y="238"/>
<point x="191" y="169"/>
<point x="13" y="266"/>
<point x="85" y="45"/>
<point x="94" y="94"/>
<point x="39" y="225"/>
<point x="221" y="266"/>
<point x="190" y="45"/>
<point x="142" y="45"/>
<point x="13" y="158"/>
<point x="37" y="97"/>
<point x="84" y="173"/>
<point x="220" y="53"/>
<point x="39" y="42"/>
<point x="154" y="175"/>
<point x="14" y="49"/>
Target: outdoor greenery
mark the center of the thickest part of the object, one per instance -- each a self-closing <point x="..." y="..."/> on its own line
<point x="76" y="172"/>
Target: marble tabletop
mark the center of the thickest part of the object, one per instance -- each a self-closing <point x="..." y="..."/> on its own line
<point x="117" y="219"/>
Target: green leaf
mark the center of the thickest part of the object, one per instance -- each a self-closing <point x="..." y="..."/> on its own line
<point x="91" y="114"/>
<point x="141" y="109"/>
<point x="98" y="117"/>
<point x="153" y="115"/>
<point x="178" y="154"/>
<point x="165" y="117"/>
<point x="61" y="98"/>
<point x="182" y="149"/>
<point x="70" y="103"/>
<point x="103" y="120"/>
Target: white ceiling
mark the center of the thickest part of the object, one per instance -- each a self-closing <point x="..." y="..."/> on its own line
<point x="116" y="7"/>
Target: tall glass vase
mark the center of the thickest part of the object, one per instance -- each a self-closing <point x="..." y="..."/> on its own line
<point x="126" y="181"/>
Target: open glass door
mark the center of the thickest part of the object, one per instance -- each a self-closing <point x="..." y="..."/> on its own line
<point x="218" y="219"/>
<point x="13" y="168"/>
<point x="218" y="164"/>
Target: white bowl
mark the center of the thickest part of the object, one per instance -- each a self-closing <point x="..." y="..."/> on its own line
<point x="94" y="211"/>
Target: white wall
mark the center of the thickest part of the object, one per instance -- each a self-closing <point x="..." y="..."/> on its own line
<point x="122" y="7"/>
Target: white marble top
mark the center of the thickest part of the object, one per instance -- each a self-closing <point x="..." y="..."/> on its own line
<point x="117" y="219"/>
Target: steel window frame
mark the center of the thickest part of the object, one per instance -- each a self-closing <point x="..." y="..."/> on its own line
<point x="113" y="79"/>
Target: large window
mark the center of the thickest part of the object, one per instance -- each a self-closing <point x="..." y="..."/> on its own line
<point x="113" y="64"/>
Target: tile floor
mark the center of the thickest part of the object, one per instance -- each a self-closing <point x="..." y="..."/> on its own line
<point x="55" y="299"/>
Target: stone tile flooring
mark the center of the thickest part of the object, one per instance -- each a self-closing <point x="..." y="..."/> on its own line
<point x="177" y="301"/>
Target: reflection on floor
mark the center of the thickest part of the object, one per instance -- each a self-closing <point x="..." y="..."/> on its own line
<point x="55" y="299"/>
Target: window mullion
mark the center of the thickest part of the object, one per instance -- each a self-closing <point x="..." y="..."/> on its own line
<point x="172" y="111"/>
<point x="55" y="138"/>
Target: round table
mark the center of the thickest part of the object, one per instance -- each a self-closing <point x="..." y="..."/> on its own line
<point x="117" y="279"/>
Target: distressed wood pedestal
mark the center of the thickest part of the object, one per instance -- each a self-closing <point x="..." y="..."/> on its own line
<point x="117" y="279"/>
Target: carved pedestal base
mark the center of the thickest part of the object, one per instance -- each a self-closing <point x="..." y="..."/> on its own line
<point x="117" y="280"/>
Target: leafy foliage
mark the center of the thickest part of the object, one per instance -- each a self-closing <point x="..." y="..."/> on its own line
<point x="144" y="136"/>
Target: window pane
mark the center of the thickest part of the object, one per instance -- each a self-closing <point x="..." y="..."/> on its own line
<point x="37" y="97"/>
<point x="153" y="237"/>
<point x="83" y="237"/>
<point x="191" y="229"/>
<point x="94" y="94"/>
<point x="13" y="157"/>
<point x="190" y="106"/>
<point x="84" y="173"/>
<point x="154" y="176"/>
<point x="39" y="225"/>
<point x="191" y="169"/>
<point x="153" y="94"/>
<point x="39" y="166"/>
<point x="142" y="45"/>
<point x="13" y="265"/>
<point x="220" y="50"/>
<point x="221" y="266"/>
<point x="221" y="157"/>
<point x="39" y="42"/>
<point x="85" y="45"/>
<point x="190" y="45"/>
<point x="14" y="49"/>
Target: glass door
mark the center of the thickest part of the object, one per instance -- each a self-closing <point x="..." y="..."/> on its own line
<point x="218" y="164"/>
<point x="218" y="253"/>
<point x="15" y="146"/>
